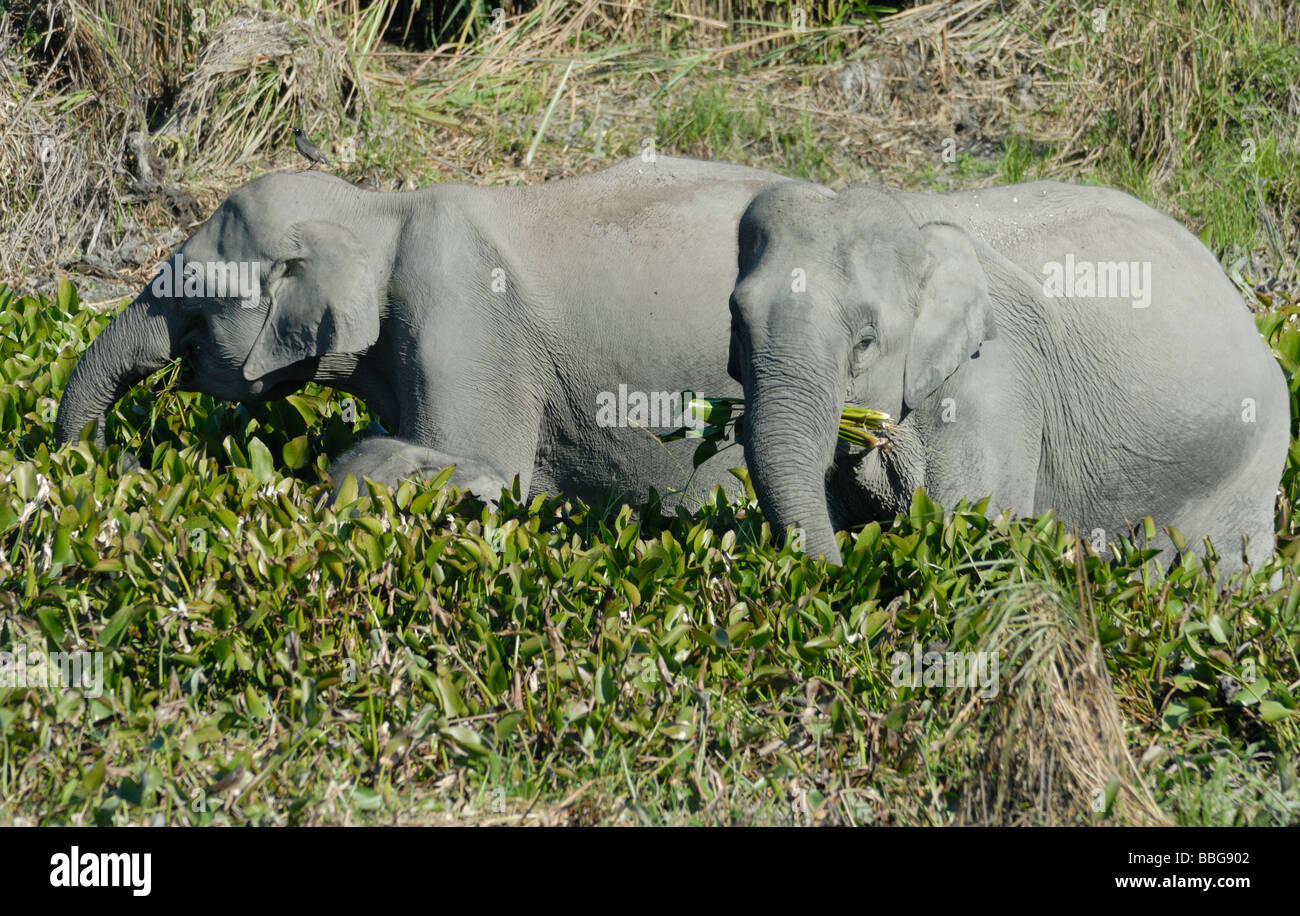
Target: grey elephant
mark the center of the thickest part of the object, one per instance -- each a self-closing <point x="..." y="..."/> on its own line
<point x="1049" y="345"/>
<point x="539" y="332"/>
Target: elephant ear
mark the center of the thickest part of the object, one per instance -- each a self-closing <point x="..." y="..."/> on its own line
<point x="324" y="299"/>
<point x="955" y="315"/>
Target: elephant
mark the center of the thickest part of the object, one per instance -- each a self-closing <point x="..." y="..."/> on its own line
<point x="1051" y="346"/>
<point x="502" y="330"/>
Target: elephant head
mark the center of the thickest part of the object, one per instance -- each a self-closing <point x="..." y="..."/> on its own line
<point x="841" y="296"/>
<point x="277" y="278"/>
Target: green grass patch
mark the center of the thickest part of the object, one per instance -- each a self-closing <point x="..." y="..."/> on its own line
<point x="412" y="656"/>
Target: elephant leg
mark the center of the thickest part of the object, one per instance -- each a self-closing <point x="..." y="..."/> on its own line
<point x="390" y="460"/>
<point x="476" y="391"/>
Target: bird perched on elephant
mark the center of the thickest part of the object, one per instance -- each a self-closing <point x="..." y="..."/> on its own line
<point x="1051" y="346"/>
<point x="308" y="149"/>
<point x="488" y="328"/>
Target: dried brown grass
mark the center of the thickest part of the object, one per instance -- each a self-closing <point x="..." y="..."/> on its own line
<point x="297" y="71"/>
<point x="68" y="105"/>
<point x="888" y="99"/>
<point x="1052" y="744"/>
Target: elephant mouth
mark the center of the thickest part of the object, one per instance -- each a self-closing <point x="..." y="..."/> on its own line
<point x="195" y="376"/>
<point x="189" y="358"/>
<point x="281" y="382"/>
<point x="280" y="389"/>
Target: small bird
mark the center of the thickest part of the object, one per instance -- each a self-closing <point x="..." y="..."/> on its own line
<point x="142" y="163"/>
<point x="308" y="149"/>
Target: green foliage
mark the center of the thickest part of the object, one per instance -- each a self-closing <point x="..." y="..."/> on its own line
<point x="1193" y="101"/>
<point x="710" y="124"/>
<point x="269" y="658"/>
<point x="1280" y="330"/>
<point x="719" y="423"/>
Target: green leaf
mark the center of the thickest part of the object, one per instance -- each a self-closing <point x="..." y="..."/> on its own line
<point x="924" y="509"/>
<point x="23" y="476"/>
<point x="346" y="492"/>
<point x="259" y="459"/>
<point x="742" y="474"/>
<point x="65" y="295"/>
<point x="1108" y="798"/>
<point x="606" y="692"/>
<point x="295" y="453"/>
<point x="1216" y="629"/>
<point x="256" y="705"/>
<point x="704" y="451"/>
<point x="305" y="408"/>
<point x="1252" y="693"/>
<point x="61" y="551"/>
<point x="1176" y="715"/>
<point x="94" y="778"/>
<point x="506" y="725"/>
<point x="367" y="799"/>
<point x="680" y="731"/>
<point x="467" y="739"/>
<point x="422" y="502"/>
<point x="1271" y="710"/>
<point x="50" y="625"/>
<point x="116" y="626"/>
<point x="452" y="703"/>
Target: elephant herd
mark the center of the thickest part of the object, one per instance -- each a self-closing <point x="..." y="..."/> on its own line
<point x="1053" y="346"/>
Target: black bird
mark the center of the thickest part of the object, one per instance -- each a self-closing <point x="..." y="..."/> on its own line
<point x="308" y="149"/>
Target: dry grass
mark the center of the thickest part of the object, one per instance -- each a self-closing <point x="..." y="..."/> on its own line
<point x="1155" y="71"/>
<point x="69" y="105"/>
<point x="886" y="98"/>
<point x="881" y="101"/>
<point x="1052" y="745"/>
<point x="297" y="72"/>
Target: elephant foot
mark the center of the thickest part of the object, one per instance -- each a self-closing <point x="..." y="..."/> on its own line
<point x="390" y="461"/>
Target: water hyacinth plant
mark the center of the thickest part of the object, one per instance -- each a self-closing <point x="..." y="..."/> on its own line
<point x="718" y="419"/>
<point x="413" y="654"/>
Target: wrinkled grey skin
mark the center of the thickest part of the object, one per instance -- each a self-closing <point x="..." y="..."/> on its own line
<point x="616" y="277"/>
<point x="932" y="307"/>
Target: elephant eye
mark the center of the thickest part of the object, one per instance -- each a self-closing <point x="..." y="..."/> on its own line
<point x="865" y="340"/>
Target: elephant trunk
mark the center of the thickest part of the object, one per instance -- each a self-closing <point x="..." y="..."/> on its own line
<point x="790" y="433"/>
<point x="138" y="342"/>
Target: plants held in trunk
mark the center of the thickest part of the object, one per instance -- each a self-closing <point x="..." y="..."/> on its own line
<point x="722" y="419"/>
<point x="719" y="423"/>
